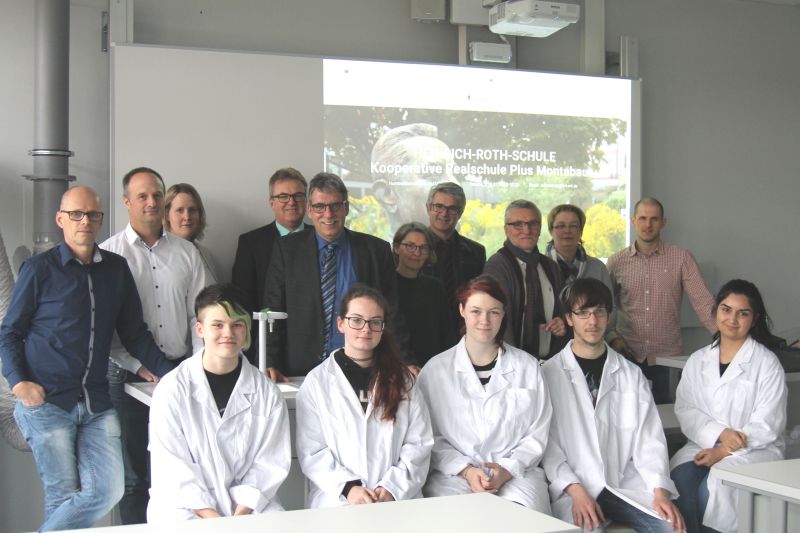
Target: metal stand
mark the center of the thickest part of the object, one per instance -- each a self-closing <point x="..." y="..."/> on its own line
<point x="263" y="318"/>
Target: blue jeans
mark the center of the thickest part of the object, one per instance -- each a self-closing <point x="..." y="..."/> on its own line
<point x="691" y="481"/>
<point x="133" y="417"/>
<point x="79" y="459"/>
<point x="618" y="510"/>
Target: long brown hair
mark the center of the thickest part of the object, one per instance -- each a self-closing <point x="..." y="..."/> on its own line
<point x="390" y="380"/>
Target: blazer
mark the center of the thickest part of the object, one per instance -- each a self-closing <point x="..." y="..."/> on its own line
<point x="249" y="272"/>
<point x="292" y="286"/>
<point x="470" y="259"/>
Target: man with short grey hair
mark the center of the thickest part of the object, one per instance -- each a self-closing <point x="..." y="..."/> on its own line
<point x="310" y="272"/>
<point x="458" y="259"/>
<point x="532" y="282"/>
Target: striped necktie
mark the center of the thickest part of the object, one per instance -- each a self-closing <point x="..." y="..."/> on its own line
<point x="328" y="289"/>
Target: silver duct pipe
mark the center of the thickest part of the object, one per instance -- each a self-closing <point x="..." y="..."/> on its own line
<point x="51" y="120"/>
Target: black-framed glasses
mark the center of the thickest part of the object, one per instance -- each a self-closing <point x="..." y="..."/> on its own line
<point x="334" y="207"/>
<point x="562" y="227"/>
<point x="298" y="197"/>
<point x="356" y="322"/>
<point x="451" y="209"/>
<point x="583" y="314"/>
<point x="530" y="224"/>
<point x="77" y="216"/>
<point x="412" y="248"/>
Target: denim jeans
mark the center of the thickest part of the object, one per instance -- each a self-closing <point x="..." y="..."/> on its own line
<point x="133" y="417"/>
<point x="618" y="510"/>
<point x="691" y="481"/>
<point x="79" y="460"/>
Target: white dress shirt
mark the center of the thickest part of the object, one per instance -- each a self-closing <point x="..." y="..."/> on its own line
<point x="168" y="275"/>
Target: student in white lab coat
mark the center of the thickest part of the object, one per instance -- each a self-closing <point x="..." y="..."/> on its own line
<point x="363" y="430"/>
<point x="219" y="428"/>
<point x="489" y="406"/>
<point x="731" y="404"/>
<point x="606" y="459"/>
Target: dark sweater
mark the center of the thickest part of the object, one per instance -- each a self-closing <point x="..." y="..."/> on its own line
<point x="424" y="305"/>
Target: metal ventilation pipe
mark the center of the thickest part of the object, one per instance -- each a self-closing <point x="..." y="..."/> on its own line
<point x="51" y="120"/>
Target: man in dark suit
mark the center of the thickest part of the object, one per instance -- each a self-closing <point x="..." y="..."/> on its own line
<point x="287" y="199"/>
<point x="458" y="259"/>
<point x="310" y="272"/>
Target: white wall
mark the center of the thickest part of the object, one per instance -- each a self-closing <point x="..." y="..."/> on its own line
<point x="720" y="121"/>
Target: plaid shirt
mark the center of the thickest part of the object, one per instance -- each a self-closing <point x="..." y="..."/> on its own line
<point x="648" y="291"/>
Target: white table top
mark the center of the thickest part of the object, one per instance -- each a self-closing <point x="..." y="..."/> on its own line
<point x="679" y="361"/>
<point x="467" y="513"/>
<point x="779" y="479"/>
<point x="144" y="391"/>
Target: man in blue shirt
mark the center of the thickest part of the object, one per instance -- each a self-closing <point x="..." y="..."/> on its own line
<point x="54" y="344"/>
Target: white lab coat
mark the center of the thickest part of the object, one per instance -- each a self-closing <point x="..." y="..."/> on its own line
<point x="506" y="423"/>
<point x="749" y="397"/>
<point x="338" y="442"/>
<point x="200" y="459"/>
<point x="617" y="444"/>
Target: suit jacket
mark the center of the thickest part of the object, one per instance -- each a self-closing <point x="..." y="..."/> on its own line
<point x="292" y="286"/>
<point x="469" y="260"/>
<point x="250" y="272"/>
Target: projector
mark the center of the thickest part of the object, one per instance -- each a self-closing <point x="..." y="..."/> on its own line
<point x="532" y="18"/>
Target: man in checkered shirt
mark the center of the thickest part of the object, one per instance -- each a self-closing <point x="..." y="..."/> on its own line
<point x="649" y="278"/>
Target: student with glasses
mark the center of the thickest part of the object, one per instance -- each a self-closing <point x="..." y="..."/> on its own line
<point x="311" y="271"/>
<point x="287" y="200"/>
<point x="363" y="430"/>
<point x="606" y="457"/>
<point x="532" y="283"/>
<point x="421" y="298"/>
<point x="489" y="406"/>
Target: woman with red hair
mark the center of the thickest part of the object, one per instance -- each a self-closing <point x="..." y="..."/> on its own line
<point x="489" y="407"/>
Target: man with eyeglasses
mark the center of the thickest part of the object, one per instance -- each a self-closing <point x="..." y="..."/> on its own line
<point x="169" y="274"/>
<point x="287" y="199"/>
<point x="606" y="457"/>
<point x="54" y="344"/>
<point x="311" y="271"/>
<point x="532" y="282"/>
<point x="458" y="259"/>
<point x="649" y="279"/>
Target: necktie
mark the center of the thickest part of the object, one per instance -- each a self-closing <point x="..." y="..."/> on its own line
<point x="328" y="289"/>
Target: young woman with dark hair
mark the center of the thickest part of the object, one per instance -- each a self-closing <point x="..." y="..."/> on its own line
<point x="361" y="402"/>
<point x="489" y="407"/>
<point x="731" y="404"/>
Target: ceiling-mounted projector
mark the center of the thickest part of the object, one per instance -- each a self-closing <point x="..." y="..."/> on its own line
<point x="532" y="18"/>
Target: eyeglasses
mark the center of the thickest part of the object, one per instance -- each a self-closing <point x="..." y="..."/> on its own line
<point x="298" y="197"/>
<point x="441" y="208"/>
<point x="77" y="216"/>
<point x="530" y="224"/>
<point x="412" y="248"/>
<point x="562" y="227"/>
<point x="598" y="313"/>
<point x="356" y="322"/>
<point x="334" y="207"/>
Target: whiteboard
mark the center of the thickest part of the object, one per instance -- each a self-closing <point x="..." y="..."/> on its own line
<point x="222" y="121"/>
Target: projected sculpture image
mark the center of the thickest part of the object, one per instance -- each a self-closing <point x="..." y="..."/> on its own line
<point x="406" y="161"/>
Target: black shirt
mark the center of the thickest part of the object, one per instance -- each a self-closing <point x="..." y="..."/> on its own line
<point x="358" y="377"/>
<point x="222" y="386"/>
<point x="593" y="372"/>
<point x="425" y="308"/>
<point x="485" y="371"/>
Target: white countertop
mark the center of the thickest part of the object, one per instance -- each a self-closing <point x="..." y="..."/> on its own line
<point x="780" y="479"/>
<point x="468" y="513"/>
<point x="144" y="391"/>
